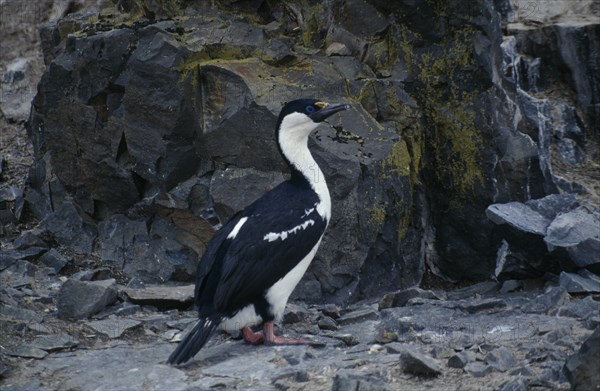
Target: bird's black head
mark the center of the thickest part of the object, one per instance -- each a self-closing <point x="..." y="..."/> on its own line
<point x="311" y="111"/>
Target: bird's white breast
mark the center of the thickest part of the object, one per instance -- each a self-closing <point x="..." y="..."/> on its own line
<point x="278" y="295"/>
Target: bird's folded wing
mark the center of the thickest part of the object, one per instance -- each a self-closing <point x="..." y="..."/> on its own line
<point x="263" y="252"/>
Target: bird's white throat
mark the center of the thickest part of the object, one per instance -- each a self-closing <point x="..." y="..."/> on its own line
<point x="293" y="140"/>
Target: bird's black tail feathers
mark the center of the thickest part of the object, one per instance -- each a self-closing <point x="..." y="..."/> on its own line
<point x="194" y="340"/>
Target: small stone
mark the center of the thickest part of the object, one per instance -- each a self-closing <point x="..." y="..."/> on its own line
<point x="386" y="336"/>
<point x="461" y="342"/>
<point x="523" y="371"/>
<point x="397" y="347"/>
<point x="461" y="359"/>
<point x="327" y="323"/>
<point x="441" y="352"/>
<point x="479" y="305"/>
<point x="295" y="314"/>
<point x="511" y="286"/>
<point x="478" y="369"/>
<point x="27" y="351"/>
<point x="401" y="298"/>
<point x="593" y="323"/>
<point x="501" y="359"/>
<point x="169" y="335"/>
<point x="337" y="49"/>
<point x="474" y="290"/>
<point x="163" y="297"/>
<point x="358" y="316"/>
<point x="92" y="275"/>
<point x="348" y="339"/>
<point x="53" y="259"/>
<point x="331" y="310"/>
<point x="128" y="309"/>
<point x="419" y="364"/>
<point x="81" y="299"/>
<point x="113" y="328"/>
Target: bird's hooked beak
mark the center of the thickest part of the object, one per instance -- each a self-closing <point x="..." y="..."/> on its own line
<point x="327" y="110"/>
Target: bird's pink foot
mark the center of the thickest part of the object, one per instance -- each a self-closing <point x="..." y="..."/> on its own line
<point x="252" y="337"/>
<point x="272" y="339"/>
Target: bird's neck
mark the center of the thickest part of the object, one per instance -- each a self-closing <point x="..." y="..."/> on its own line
<point x="304" y="168"/>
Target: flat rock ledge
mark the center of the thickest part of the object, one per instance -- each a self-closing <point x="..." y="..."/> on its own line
<point x="479" y="337"/>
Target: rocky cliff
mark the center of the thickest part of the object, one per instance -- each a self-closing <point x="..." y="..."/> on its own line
<point x="154" y="121"/>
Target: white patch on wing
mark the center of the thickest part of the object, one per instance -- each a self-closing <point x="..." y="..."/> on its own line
<point x="293" y="139"/>
<point x="308" y="211"/>
<point x="273" y="236"/>
<point x="278" y="295"/>
<point x="247" y="316"/>
<point x="237" y="228"/>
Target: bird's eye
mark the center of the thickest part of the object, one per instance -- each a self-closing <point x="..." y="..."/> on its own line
<point x="310" y="109"/>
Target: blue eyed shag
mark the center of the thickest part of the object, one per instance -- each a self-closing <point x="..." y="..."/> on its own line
<point x="254" y="262"/>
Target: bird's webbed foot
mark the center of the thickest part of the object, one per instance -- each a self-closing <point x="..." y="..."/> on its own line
<point x="253" y="337"/>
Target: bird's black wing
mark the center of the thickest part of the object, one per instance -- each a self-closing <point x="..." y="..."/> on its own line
<point x="209" y="268"/>
<point x="266" y="248"/>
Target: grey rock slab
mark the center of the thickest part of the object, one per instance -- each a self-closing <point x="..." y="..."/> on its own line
<point x="419" y="364"/>
<point x="582" y="368"/>
<point x="513" y="385"/>
<point x="554" y="204"/>
<point x="347" y="381"/>
<point x="501" y="359"/>
<point x="166" y="377"/>
<point x="580" y="308"/>
<point x="365" y="332"/>
<point x="55" y="342"/>
<point x="81" y="299"/>
<point x="13" y="313"/>
<point x="519" y="216"/>
<point x="579" y="232"/>
<point x="27" y="351"/>
<point x="162" y="296"/>
<point x="575" y="283"/>
<point x="113" y="328"/>
<point x="546" y="302"/>
<point x="358" y="315"/>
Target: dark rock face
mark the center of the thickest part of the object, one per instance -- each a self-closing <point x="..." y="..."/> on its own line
<point x="154" y="123"/>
